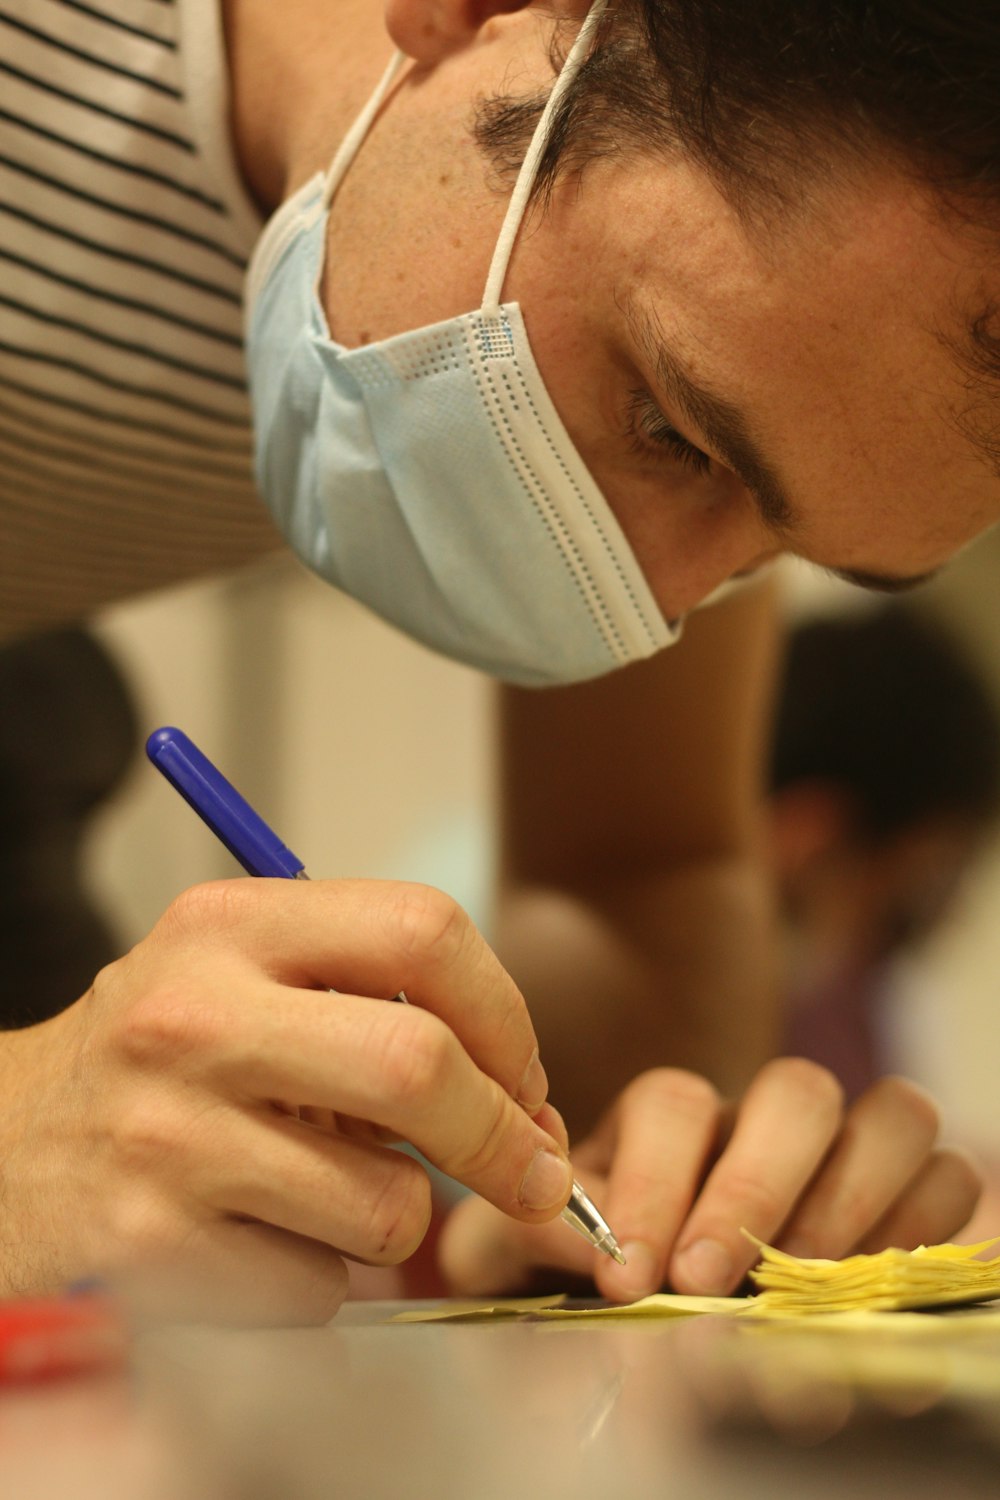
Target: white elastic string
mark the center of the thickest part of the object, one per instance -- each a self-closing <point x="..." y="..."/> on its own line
<point x="348" y="148"/>
<point x="575" y="59"/>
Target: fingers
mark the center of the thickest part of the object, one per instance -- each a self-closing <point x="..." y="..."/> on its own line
<point x="369" y="1202"/>
<point x="884" y="1142"/>
<point x="662" y="1131"/>
<point x="396" y="1066"/>
<point x="787" y="1122"/>
<point x="794" y="1169"/>
<point x="374" y="938"/>
<point x="404" y="1070"/>
<point x="937" y="1203"/>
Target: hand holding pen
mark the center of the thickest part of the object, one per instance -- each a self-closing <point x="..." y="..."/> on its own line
<point x="208" y="1123"/>
<point x="259" y="850"/>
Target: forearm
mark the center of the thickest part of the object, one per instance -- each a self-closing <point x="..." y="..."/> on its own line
<point x="636" y="912"/>
<point x="669" y="967"/>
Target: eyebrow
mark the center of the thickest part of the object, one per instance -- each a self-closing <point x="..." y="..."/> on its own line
<point x="724" y="425"/>
<point x="728" y="433"/>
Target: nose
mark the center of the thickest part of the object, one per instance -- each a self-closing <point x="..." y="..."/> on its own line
<point x="758" y="565"/>
<point x="688" y="583"/>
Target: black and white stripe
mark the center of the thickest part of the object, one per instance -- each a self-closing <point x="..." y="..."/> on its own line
<point x="124" y="234"/>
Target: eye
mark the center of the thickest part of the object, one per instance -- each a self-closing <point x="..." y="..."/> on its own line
<point x="649" y="429"/>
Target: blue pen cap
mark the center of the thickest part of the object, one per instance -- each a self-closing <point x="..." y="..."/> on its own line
<point x="219" y="804"/>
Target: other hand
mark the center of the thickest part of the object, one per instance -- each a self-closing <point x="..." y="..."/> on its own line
<point x="679" y="1172"/>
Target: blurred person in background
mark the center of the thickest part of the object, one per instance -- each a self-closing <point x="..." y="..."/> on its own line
<point x="68" y="735"/>
<point x="885" y="789"/>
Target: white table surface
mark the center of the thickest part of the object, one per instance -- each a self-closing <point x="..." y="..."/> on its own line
<point x="690" y="1409"/>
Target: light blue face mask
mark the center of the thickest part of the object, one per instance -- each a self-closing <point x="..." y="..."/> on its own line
<point x="430" y="475"/>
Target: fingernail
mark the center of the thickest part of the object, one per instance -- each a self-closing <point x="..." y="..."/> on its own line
<point x="546" y="1182"/>
<point x="638" y="1277"/>
<point x="705" y="1267"/>
<point x="534" y="1086"/>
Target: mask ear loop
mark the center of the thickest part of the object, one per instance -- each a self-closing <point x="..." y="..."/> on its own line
<point x="349" y="146"/>
<point x="575" y="59"/>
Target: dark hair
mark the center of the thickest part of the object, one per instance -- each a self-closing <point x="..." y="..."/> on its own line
<point x="760" y="93"/>
<point x="885" y="705"/>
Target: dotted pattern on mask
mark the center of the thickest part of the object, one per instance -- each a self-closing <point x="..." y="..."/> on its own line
<point x="496" y="339"/>
<point x="435" y="354"/>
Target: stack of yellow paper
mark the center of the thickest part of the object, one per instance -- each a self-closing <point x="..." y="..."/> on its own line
<point x="930" y="1276"/>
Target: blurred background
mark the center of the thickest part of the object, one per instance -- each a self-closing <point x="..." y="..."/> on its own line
<point x="372" y="757"/>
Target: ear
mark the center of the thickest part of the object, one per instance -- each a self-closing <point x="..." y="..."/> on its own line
<point x="808" y="821"/>
<point x="428" y="30"/>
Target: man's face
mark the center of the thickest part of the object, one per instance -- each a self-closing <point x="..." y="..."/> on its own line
<point x="736" y="393"/>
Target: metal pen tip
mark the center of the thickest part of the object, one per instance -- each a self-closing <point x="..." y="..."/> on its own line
<point x="610" y="1246"/>
<point x="581" y="1213"/>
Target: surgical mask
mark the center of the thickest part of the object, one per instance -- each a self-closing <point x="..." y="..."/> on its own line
<point x="429" y="475"/>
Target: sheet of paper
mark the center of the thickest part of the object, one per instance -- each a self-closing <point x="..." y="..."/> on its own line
<point x="660" y="1305"/>
<point x="456" y="1312"/>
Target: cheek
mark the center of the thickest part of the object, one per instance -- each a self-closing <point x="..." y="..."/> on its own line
<point x="690" y="534"/>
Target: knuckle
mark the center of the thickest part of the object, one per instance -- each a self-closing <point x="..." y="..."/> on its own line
<point x="104" y="996"/>
<point x="482" y="1159"/>
<point x="964" y="1173"/>
<point x="429" y="926"/>
<point x="148" y="1137"/>
<point x="673" y="1091"/>
<point x="213" y="908"/>
<point x="416" y="1056"/>
<point x="399" y="1217"/>
<point x="166" y="1024"/>
<point x="141" y="1229"/>
<point x="815" y="1085"/>
<point x="906" y="1097"/>
<point x="207" y="905"/>
<point x="761" y="1206"/>
<point x="858" y="1207"/>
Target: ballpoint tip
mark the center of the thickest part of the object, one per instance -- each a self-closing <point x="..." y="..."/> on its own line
<point x="619" y="1257"/>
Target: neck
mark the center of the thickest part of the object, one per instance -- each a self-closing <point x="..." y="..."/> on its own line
<point x="298" y="73"/>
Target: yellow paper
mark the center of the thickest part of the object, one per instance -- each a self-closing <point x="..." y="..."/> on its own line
<point x="659" y="1306"/>
<point x="930" y="1276"/>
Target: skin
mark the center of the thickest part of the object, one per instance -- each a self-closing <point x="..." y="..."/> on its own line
<point x="208" y="1111"/>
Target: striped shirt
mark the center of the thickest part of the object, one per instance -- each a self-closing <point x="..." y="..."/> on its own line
<point x="125" y="438"/>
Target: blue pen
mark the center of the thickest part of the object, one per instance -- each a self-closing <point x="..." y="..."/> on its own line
<point x="259" y="850"/>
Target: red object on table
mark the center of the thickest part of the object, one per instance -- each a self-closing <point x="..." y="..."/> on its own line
<point x="49" y="1338"/>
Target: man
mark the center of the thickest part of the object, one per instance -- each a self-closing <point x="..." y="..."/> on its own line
<point x="691" y="387"/>
<point x="884" y="792"/>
